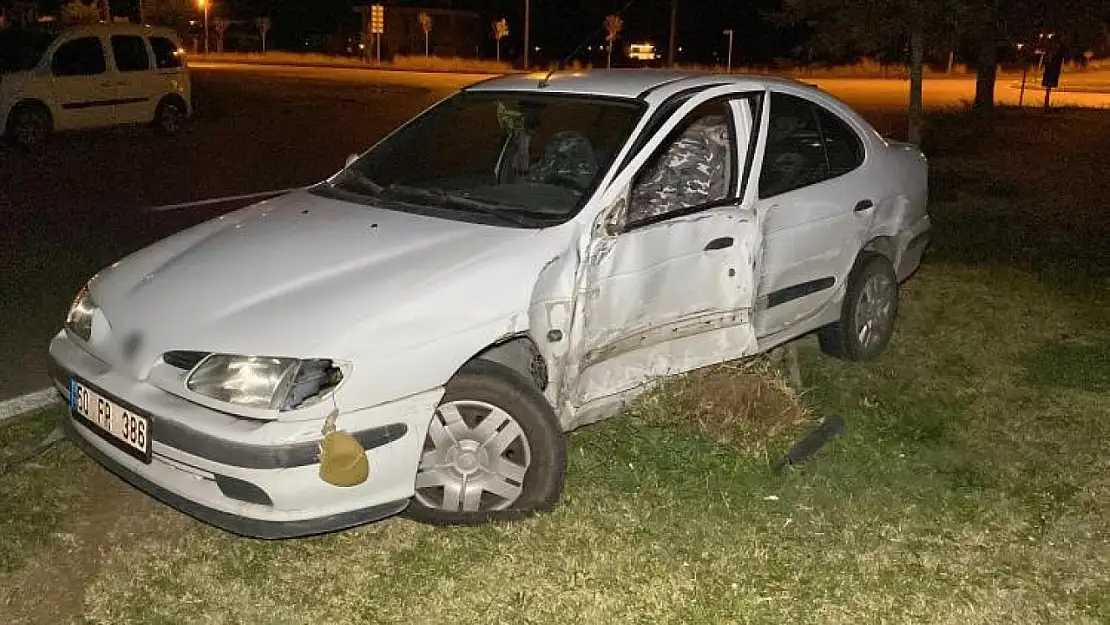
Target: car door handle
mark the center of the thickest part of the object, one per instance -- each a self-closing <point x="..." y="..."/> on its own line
<point x="719" y="244"/>
<point x="863" y="205"/>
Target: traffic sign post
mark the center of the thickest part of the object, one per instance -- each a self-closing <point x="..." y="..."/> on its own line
<point x="1051" y="78"/>
<point x="377" y="27"/>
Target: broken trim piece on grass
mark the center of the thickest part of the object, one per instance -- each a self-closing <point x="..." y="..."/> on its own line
<point x="816" y="439"/>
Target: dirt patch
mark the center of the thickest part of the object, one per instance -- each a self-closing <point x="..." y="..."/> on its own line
<point x="746" y="407"/>
<point x="50" y="588"/>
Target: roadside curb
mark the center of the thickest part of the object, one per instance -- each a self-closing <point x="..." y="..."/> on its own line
<point x="1096" y="89"/>
<point x="30" y="402"/>
<point x="352" y="66"/>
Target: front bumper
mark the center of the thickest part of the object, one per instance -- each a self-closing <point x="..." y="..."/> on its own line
<point x="256" y="479"/>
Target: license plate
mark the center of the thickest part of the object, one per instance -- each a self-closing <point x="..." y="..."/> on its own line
<point x="123" y="427"/>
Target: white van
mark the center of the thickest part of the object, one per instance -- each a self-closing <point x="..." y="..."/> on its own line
<point x="93" y="76"/>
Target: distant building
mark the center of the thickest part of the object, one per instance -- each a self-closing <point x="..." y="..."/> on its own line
<point x="454" y="32"/>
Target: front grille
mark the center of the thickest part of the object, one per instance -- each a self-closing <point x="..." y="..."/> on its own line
<point x="183" y="360"/>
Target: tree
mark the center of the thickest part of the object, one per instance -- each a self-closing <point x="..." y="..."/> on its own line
<point x="79" y="12"/>
<point x="500" y="31"/>
<point x="426" y="26"/>
<point x="849" y="28"/>
<point x="613" y="26"/>
<point x="220" y="25"/>
<point x="170" y="13"/>
<point x="263" y="24"/>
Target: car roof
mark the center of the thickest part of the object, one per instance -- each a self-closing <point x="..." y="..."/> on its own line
<point x="117" y="28"/>
<point x="625" y="83"/>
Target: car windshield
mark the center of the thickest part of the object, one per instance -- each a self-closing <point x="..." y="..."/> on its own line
<point x="530" y="159"/>
<point x="21" y="50"/>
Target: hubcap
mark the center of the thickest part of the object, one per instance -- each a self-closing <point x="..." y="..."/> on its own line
<point x="475" y="458"/>
<point x="875" y="310"/>
<point x="171" y="118"/>
<point x="31" y="129"/>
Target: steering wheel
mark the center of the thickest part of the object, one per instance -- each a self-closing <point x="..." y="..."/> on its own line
<point x="565" y="180"/>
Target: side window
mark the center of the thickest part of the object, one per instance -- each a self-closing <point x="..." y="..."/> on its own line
<point x="693" y="167"/>
<point x="165" y="53"/>
<point x="80" y="57"/>
<point x="842" y="145"/>
<point x="794" y="156"/>
<point x="130" y="52"/>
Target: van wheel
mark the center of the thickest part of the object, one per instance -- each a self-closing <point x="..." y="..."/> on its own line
<point x="169" y="118"/>
<point x="29" y="125"/>
<point x="870" y="309"/>
<point x="494" y="451"/>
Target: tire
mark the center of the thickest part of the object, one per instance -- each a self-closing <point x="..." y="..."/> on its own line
<point x="524" y="479"/>
<point x="869" y="312"/>
<point x="29" y="125"/>
<point x="169" y="117"/>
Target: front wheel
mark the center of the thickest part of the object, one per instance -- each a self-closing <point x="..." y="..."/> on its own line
<point x="867" y="319"/>
<point x="169" y="119"/>
<point x="30" y="125"/>
<point x="494" y="451"/>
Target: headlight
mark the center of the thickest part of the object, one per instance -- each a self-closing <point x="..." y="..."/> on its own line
<point x="80" y="318"/>
<point x="263" y="382"/>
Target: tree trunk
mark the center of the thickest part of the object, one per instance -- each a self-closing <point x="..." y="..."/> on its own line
<point x="987" y="66"/>
<point x="917" y="60"/>
<point x="610" y="65"/>
<point x="673" y="35"/>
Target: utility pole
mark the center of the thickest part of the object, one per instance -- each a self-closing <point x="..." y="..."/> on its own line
<point x="674" y="27"/>
<point x="729" y="32"/>
<point x="527" y="32"/>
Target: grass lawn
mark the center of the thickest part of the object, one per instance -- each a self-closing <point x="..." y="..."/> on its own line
<point x="970" y="485"/>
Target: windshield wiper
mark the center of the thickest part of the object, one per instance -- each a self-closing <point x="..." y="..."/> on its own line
<point x="361" y="182"/>
<point x="476" y="206"/>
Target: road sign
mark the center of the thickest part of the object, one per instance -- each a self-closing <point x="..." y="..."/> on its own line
<point x="1052" y="70"/>
<point x="377" y="19"/>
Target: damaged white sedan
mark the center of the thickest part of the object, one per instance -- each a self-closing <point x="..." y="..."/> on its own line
<point x="417" y="333"/>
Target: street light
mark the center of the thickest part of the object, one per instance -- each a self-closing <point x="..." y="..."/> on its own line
<point x="203" y="4"/>
<point x="527" y="31"/>
<point x="729" y="62"/>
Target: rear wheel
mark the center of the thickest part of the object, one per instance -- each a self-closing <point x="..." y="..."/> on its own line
<point x="494" y="451"/>
<point x="870" y="309"/>
<point x="29" y="125"/>
<point x="169" y="118"/>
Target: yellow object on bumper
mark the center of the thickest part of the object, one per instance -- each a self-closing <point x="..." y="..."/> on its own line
<point x="342" y="458"/>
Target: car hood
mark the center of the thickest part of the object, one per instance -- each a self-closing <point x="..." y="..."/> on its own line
<point x="281" y="277"/>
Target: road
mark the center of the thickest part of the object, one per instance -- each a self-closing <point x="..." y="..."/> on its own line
<point x="83" y="202"/>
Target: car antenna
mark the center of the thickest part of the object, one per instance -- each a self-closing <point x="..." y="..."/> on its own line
<point x="547" y="78"/>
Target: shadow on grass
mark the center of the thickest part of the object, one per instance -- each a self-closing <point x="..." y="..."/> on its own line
<point x="1084" y="367"/>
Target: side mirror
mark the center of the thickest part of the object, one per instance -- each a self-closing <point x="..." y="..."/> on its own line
<point x="351" y="158"/>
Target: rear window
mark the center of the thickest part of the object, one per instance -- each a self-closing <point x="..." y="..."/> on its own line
<point x="165" y="53"/>
<point x="130" y="52"/>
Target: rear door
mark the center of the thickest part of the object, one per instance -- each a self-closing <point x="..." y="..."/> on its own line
<point x="85" y="89"/>
<point x="136" y="81"/>
<point x="819" y="207"/>
<point x="667" y="284"/>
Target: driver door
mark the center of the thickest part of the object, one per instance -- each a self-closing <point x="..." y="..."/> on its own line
<point x="668" y="281"/>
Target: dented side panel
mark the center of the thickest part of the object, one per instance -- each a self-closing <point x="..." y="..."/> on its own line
<point x="656" y="302"/>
